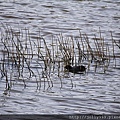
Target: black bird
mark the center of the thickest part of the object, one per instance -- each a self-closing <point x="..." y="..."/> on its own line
<point x="75" y="69"/>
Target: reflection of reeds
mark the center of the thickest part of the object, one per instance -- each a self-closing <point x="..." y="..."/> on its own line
<point x="40" y="60"/>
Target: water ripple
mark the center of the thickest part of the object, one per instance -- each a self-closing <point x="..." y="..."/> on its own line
<point x="93" y="93"/>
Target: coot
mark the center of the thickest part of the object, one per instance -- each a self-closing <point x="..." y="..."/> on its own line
<point x="76" y="69"/>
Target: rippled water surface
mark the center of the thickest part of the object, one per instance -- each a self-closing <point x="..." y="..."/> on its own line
<point x="95" y="93"/>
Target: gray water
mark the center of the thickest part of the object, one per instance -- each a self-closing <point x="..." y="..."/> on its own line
<point x="94" y="93"/>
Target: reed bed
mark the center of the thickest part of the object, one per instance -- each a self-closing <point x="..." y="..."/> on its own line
<point x="26" y="57"/>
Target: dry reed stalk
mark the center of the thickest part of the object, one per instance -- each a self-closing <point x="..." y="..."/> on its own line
<point x="89" y="48"/>
<point x="81" y="55"/>
<point x="21" y="54"/>
<point x="47" y="50"/>
<point x="17" y="56"/>
<point x="101" y="44"/>
<point x="3" y="66"/>
<point x="58" y="46"/>
<point x="104" y="56"/>
<point x="38" y="47"/>
<point x="45" y="75"/>
<point x="26" y="40"/>
<point x="39" y="36"/>
<point x="79" y="52"/>
<point x="47" y="61"/>
<point x="87" y="54"/>
<point x="25" y="59"/>
<point x="31" y="48"/>
<point x="7" y="81"/>
<point x="93" y="57"/>
<point x="11" y="77"/>
<point x="22" y="63"/>
<point x="39" y="79"/>
<point x="53" y="53"/>
<point x="100" y="50"/>
<point x="27" y="46"/>
<point x="65" y="48"/>
<point x="113" y="48"/>
<point x="37" y="82"/>
<point x="40" y="56"/>
<point x="97" y="46"/>
<point x="42" y="76"/>
<point x="58" y="68"/>
<point x="105" y="59"/>
<point x="64" y="51"/>
<point x="61" y="84"/>
<point x="108" y="54"/>
<point x="81" y="38"/>
<point x="72" y="50"/>
<point x="117" y="44"/>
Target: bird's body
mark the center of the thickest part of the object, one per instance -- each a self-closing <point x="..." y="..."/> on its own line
<point x="75" y="69"/>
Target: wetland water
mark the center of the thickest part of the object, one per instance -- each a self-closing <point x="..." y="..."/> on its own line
<point x="94" y="93"/>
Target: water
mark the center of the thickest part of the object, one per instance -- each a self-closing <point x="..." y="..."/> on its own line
<point x="91" y="93"/>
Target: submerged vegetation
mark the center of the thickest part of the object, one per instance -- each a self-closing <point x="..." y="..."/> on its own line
<point x="26" y="57"/>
